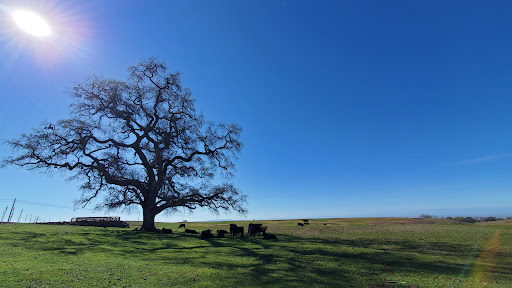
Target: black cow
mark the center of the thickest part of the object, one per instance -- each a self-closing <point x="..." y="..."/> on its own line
<point x="234" y="229"/>
<point x="254" y="229"/>
<point x="181" y="225"/>
<point x="300" y="224"/>
<point x="166" y="231"/>
<point x="221" y="233"/>
<point x="269" y="236"/>
<point x="206" y="234"/>
<point x="191" y="231"/>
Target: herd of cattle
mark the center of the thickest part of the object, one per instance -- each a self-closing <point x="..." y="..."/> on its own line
<point x="234" y="230"/>
<point x="306" y="222"/>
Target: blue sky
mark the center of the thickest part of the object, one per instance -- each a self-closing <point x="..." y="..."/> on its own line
<point x="348" y="108"/>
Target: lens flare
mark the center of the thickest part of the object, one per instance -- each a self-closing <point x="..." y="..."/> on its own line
<point x="31" y="23"/>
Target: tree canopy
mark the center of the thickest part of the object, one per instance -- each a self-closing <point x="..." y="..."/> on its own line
<point x="138" y="142"/>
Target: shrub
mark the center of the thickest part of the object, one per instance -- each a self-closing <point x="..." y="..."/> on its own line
<point x="487" y="219"/>
<point x="468" y="220"/>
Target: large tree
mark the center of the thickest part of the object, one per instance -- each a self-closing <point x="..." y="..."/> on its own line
<point x="138" y="142"/>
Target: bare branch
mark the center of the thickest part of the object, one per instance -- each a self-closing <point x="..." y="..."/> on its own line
<point x="137" y="142"/>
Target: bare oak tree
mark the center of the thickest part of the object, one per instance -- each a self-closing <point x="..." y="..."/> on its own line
<point x="138" y="142"/>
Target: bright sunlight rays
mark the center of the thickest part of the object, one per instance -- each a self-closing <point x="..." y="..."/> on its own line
<point x="44" y="30"/>
<point x="31" y="23"/>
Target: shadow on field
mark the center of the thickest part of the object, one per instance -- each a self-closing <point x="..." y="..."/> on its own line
<point x="291" y="261"/>
<point x="326" y="266"/>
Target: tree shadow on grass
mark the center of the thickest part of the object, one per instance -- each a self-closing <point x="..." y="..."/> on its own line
<point x="291" y="261"/>
<point x="321" y="266"/>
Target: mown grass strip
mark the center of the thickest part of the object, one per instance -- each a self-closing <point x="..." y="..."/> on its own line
<point x="486" y="262"/>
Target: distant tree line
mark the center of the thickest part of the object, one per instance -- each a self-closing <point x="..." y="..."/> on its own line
<point x="465" y="219"/>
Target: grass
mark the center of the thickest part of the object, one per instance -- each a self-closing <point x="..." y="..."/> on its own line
<point x="362" y="252"/>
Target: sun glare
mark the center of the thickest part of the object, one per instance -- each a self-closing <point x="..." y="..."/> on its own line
<point x="31" y="23"/>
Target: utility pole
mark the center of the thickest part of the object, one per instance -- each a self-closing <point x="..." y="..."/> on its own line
<point x="3" y="215"/>
<point x="20" y="215"/>
<point x="12" y="211"/>
<point x="26" y="218"/>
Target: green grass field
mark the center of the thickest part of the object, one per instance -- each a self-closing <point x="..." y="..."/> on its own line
<point x="373" y="252"/>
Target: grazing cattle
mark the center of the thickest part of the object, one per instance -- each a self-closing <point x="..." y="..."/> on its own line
<point x="269" y="236"/>
<point x="181" y="225"/>
<point x="206" y="234"/>
<point x="305" y="220"/>
<point x="166" y="231"/>
<point x="234" y="229"/>
<point x="300" y="224"/>
<point x="254" y="229"/>
<point x="191" y="231"/>
<point x="221" y="233"/>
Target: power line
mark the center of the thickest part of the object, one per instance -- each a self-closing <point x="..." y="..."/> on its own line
<point x="44" y="204"/>
<point x="41" y="204"/>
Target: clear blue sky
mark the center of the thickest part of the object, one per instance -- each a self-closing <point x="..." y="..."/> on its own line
<point x="348" y="108"/>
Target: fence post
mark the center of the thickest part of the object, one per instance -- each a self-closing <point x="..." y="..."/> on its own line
<point x="12" y="211"/>
<point x="3" y="215"/>
<point x="20" y="215"/>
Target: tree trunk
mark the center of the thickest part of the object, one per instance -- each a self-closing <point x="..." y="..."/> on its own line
<point x="148" y="220"/>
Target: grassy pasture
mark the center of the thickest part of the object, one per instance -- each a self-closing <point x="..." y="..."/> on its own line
<point x="362" y="252"/>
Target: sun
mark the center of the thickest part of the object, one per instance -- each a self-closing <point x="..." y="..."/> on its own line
<point x="31" y="23"/>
